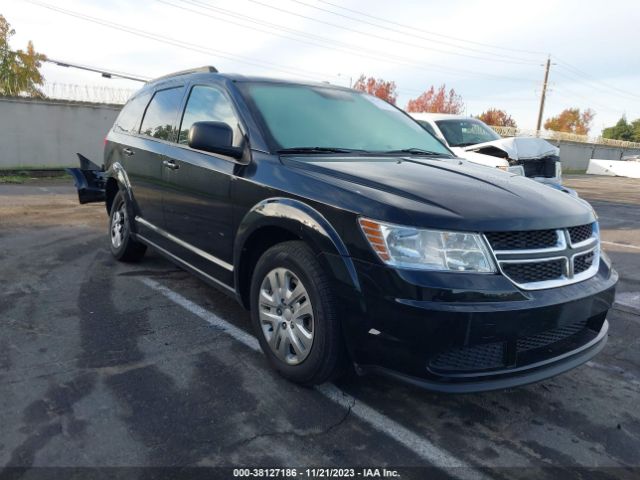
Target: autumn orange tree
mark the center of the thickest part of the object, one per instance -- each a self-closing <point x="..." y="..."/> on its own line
<point x="497" y="118"/>
<point x="571" y="120"/>
<point x="383" y="89"/>
<point x="437" y="101"/>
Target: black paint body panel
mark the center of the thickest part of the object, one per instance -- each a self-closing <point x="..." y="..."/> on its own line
<point x="395" y="321"/>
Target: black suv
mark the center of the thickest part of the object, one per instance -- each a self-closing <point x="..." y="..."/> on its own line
<point x="352" y="234"/>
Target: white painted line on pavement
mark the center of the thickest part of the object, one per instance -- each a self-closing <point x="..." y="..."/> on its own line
<point x="422" y="447"/>
<point x="209" y="317"/>
<point x="634" y="247"/>
<point x="629" y="300"/>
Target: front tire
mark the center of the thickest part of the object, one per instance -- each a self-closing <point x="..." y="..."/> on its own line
<point x="123" y="247"/>
<point x="294" y="314"/>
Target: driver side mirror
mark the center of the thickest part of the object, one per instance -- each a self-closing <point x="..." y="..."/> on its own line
<point x="214" y="137"/>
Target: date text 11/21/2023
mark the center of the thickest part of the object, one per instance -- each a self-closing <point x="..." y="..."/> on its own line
<point x="315" y="473"/>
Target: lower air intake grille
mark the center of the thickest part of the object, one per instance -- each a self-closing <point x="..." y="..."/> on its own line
<point x="535" y="271"/>
<point x="480" y="357"/>
<point x="549" y="337"/>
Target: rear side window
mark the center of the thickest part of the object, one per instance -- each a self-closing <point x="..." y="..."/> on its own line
<point x="208" y="104"/>
<point x="160" y="117"/>
<point x="129" y="119"/>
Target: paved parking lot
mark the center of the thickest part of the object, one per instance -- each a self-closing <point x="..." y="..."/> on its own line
<point x="108" y="364"/>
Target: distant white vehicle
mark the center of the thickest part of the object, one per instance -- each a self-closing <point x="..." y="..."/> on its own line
<point x="473" y="140"/>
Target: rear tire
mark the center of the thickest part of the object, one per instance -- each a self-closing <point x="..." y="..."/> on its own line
<point x="123" y="247"/>
<point x="295" y="315"/>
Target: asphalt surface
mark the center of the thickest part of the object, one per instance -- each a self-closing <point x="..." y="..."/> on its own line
<point x="109" y="364"/>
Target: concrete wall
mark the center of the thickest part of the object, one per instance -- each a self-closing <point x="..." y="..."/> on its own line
<point x="576" y="156"/>
<point x="48" y="133"/>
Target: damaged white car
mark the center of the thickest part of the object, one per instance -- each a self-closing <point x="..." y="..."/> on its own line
<point x="473" y="140"/>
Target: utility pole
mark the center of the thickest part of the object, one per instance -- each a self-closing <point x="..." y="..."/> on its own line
<point x="544" y="94"/>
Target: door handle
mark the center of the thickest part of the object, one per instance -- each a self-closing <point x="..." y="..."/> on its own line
<point x="128" y="152"/>
<point x="170" y="164"/>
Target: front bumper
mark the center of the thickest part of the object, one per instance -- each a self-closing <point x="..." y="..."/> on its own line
<point x="474" y="332"/>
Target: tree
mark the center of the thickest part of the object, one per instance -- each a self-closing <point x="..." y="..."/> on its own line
<point x="437" y="101"/>
<point x="497" y="118"/>
<point x="19" y="70"/>
<point x="636" y="130"/>
<point x="386" y="90"/>
<point x="571" y="120"/>
<point x="622" y="130"/>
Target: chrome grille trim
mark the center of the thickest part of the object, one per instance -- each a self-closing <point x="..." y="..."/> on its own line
<point x="563" y="250"/>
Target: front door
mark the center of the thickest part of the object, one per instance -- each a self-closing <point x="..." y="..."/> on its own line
<point x="197" y="207"/>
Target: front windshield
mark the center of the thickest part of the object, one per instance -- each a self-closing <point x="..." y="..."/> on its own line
<point x="304" y="116"/>
<point x="461" y="133"/>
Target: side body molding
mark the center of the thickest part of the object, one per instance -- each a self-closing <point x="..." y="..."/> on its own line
<point x="301" y="220"/>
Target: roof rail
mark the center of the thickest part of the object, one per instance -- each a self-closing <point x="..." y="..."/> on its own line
<point x="205" y="69"/>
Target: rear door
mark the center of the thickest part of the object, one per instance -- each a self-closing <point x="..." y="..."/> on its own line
<point x="197" y="207"/>
<point x="144" y="155"/>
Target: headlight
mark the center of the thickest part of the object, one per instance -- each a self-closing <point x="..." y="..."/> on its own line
<point x="414" y="248"/>
<point x="517" y="170"/>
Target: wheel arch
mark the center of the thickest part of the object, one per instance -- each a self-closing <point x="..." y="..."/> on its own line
<point x="276" y="220"/>
<point x="117" y="180"/>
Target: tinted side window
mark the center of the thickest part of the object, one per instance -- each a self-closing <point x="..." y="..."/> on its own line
<point x="161" y="113"/>
<point x="129" y="119"/>
<point x="208" y="104"/>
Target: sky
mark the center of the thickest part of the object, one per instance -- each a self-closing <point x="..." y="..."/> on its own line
<point x="491" y="52"/>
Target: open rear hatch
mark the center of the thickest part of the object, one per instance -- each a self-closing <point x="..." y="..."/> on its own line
<point x="89" y="180"/>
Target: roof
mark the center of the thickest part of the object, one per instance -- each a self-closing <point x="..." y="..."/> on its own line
<point x="204" y="72"/>
<point x="438" y="116"/>
<point x="205" y="69"/>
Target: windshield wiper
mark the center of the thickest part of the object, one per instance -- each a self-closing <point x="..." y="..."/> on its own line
<point x="317" y="150"/>
<point x="468" y="144"/>
<point x="417" y="151"/>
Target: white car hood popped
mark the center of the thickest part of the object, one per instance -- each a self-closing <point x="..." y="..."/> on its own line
<point x="519" y="148"/>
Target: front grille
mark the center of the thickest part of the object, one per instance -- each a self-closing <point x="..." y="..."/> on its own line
<point x="479" y="357"/>
<point x="544" y="339"/>
<point x="534" y="271"/>
<point x="583" y="262"/>
<point x="538" y="259"/>
<point x="527" y="240"/>
<point x="580" y="233"/>
<point x="540" y="167"/>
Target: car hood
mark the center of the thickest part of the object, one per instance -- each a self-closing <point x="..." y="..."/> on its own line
<point x="518" y="148"/>
<point x="442" y="193"/>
